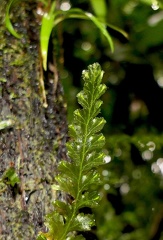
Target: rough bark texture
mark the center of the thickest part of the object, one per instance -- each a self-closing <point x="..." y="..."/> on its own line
<point x="35" y="141"/>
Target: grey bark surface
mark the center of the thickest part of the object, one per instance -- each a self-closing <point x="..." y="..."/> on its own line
<point x="35" y="140"/>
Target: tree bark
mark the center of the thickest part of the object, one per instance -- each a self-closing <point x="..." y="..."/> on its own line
<point x="33" y="140"/>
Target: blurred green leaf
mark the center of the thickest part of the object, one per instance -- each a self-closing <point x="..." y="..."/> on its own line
<point x="10" y="177"/>
<point x="82" y="222"/>
<point x="80" y="14"/>
<point x="89" y="199"/>
<point x="7" y="19"/>
<point x="62" y="208"/>
<point x="46" y="29"/>
<point x="100" y="8"/>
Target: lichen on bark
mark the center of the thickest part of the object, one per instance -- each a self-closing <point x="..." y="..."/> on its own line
<point x="35" y="141"/>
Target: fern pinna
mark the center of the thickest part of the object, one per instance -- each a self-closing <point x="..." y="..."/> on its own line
<point x="79" y="178"/>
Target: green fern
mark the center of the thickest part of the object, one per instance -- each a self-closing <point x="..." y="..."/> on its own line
<point x="79" y="178"/>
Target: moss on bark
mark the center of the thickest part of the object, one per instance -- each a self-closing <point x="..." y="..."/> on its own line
<point x="35" y="141"/>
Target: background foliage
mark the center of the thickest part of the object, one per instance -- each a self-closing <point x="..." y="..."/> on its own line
<point x="131" y="206"/>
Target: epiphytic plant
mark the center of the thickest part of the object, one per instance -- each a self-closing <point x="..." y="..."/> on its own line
<point x="79" y="177"/>
<point x="52" y="17"/>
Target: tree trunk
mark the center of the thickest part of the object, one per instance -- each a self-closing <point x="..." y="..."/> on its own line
<point x="32" y="137"/>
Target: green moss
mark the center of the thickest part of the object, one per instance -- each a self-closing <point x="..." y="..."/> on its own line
<point x="35" y="141"/>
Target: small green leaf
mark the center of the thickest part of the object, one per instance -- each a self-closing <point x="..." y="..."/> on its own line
<point x="96" y="108"/>
<point x="88" y="179"/>
<point x="100" y="8"/>
<point x="7" y="19"/>
<point x="46" y="29"/>
<point x="93" y="160"/>
<point x="80" y="116"/>
<point x="55" y="224"/>
<point x="67" y="184"/>
<point x="74" y="131"/>
<point x="10" y="177"/>
<point x="100" y="90"/>
<point x="83" y="100"/>
<point x="125" y="34"/>
<point x="73" y="152"/>
<point x="94" y="143"/>
<point x="82" y="223"/>
<point x="68" y="169"/>
<point x="89" y="199"/>
<point x="96" y="125"/>
<point x="62" y="208"/>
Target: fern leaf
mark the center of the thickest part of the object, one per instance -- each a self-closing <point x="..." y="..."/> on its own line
<point x="90" y="179"/>
<point x="89" y="199"/>
<point x="79" y="178"/>
<point x="67" y="185"/>
<point x="55" y="224"/>
<point x="82" y="222"/>
<point x="96" y="125"/>
<point x="68" y="169"/>
<point x="62" y="208"/>
<point x="93" y="160"/>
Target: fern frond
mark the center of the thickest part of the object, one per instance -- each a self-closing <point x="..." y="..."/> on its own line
<point x="79" y="178"/>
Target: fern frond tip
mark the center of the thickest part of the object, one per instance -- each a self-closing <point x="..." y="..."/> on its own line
<point x="94" y="73"/>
